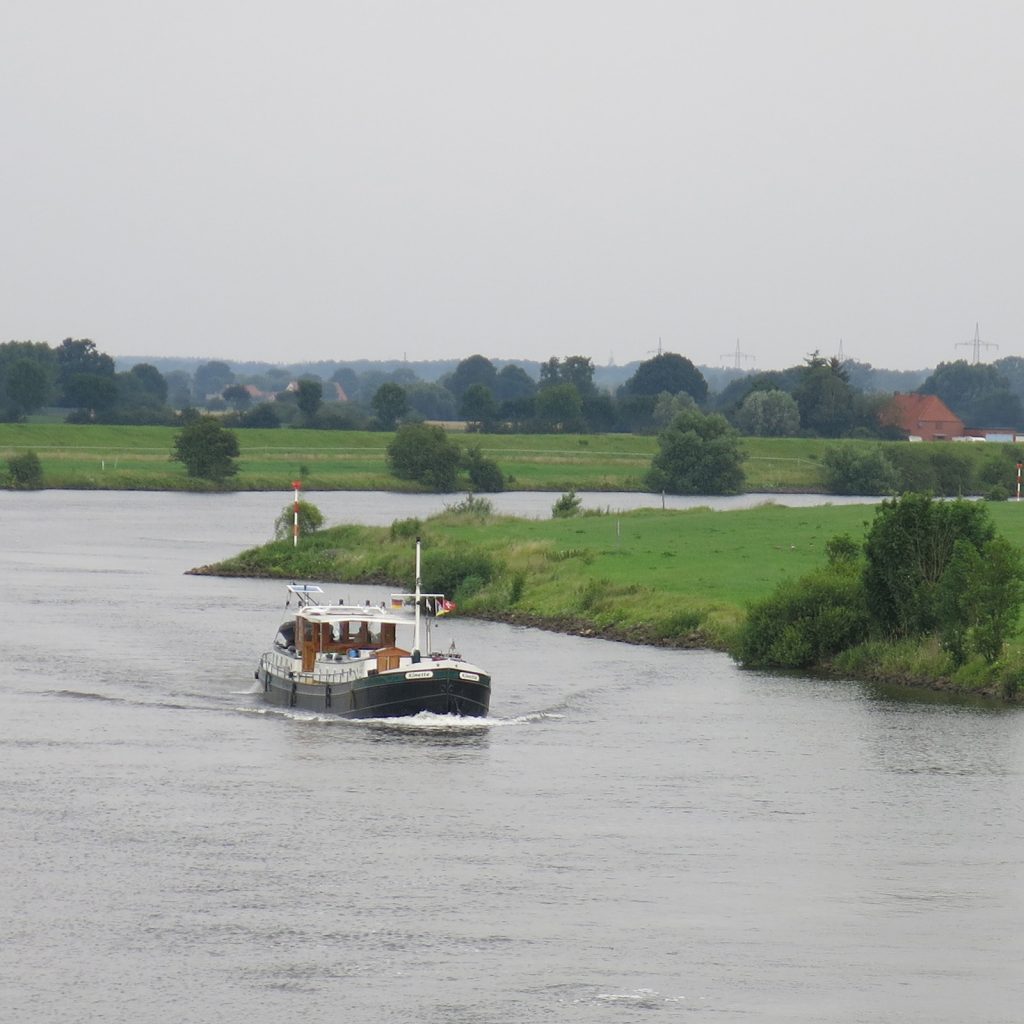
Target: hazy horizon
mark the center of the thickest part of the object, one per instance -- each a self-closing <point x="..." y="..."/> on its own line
<point x="396" y="179"/>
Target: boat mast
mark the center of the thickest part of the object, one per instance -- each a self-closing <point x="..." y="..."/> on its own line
<point x="416" y="632"/>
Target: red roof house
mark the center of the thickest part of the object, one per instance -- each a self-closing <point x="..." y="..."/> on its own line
<point x="924" y="416"/>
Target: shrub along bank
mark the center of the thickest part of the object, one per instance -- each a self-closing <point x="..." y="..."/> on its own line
<point x="777" y="587"/>
<point x="931" y="576"/>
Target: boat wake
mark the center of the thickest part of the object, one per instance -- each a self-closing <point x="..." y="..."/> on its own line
<point x="644" y="998"/>
<point x="423" y="723"/>
<point x="83" y="695"/>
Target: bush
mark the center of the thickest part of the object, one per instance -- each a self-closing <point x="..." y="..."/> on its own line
<point x="842" y="548"/>
<point x="914" y="469"/>
<point x="567" y="506"/>
<point x="448" y="571"/>
<point x="697" y="454"/>
<point x="979" y="598"/>
<point x="425" y="454"/>
<point x="25" y="472"/>
<point x="310" y="520"/>
<point x="406" y="529"/>
<point x="804" y="622"/>
<point x="908" y="547"/>
<point x="936" y="469"/>
<point x="207" y="449"/>
<point x="857" y="470"/>
<point x="472" y="505"/>
<point x="262" y="415"/>
<point x="484" y="473"/>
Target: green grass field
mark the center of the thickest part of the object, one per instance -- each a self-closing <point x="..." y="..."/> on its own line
<point x="651" y="576"/>
<point x="138" y="458"/>
<point x="649" y="562"/>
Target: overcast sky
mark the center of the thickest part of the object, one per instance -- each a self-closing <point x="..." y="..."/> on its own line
<point x="330" y="179"/>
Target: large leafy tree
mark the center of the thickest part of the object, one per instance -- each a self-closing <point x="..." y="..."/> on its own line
<point x="28" y="370"/>
<point x="94" y="395"/>
<point x="979" y="598"/>
<point x="207" y="449"/>
<point x="600" y="413"/>
<point x="575" y="370"/>
<point x="998" y="408"/>
<point x="476" y="369"/>
<point x="697" y="454"/>
<point x="211" y="379"/>
<point x="77" y="357"/>
<point x="826" y="401"/>
<point x="238" y="397"/>
<point x="309" y="396"/>
<point x="513" y="382"/>
<point x="85" y="377"/>
<point x="478" y="406"/>
<point x="769" y="414"/>
<point x="431" y="400"/>
<point x="996" y="594"/>
<point x="151" y="380"/>
<point x="389" y="404"/>
<point x="179" y="389"/>
<point x="667" y="372"/>
<point x="979" y="393"/>
<point x="27" y="386"/>
<point x="426" y="454"/>
<point x="732" y="396"/>
<point x="1012" y="369"/>
<point x="559" y="409"/>
<point x="908" y="548"/>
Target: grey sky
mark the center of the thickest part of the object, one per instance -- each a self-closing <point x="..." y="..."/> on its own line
<point x="326" y="179"/>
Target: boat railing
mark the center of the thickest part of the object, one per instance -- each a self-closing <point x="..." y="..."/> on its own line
<point x="346" y="671"/>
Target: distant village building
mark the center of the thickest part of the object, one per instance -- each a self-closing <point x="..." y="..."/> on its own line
<point x="922" y="417"/>
<point x="1004" y="435"/>
<point x="332" y="390"/>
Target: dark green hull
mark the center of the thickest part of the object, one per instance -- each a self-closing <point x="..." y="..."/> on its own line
<point x="398" y="693"/>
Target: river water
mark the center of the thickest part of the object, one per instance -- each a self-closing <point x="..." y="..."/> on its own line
<point x="636" y="834"/>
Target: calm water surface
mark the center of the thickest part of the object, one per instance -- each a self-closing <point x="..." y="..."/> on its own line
<point x="635" y="835"/>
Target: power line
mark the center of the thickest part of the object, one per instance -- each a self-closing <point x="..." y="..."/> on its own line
<point x="738" y="356"/>
<point x="977" y="345"/>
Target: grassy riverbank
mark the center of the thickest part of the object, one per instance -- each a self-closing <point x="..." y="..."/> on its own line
<point x="649" y="576"/>
<point x="138" y="458"/>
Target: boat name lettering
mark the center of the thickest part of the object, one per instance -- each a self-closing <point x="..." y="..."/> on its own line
<point x="419" y="675"/>
<point x="471" y="676"/>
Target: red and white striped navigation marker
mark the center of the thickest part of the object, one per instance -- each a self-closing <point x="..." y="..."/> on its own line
<point x="295" y="517"/>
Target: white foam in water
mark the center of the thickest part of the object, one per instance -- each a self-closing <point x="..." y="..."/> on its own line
<point x="645" y="997"/>
<point x="425" y="721"/>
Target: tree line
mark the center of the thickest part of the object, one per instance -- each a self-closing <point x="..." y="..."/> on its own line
<point x="820" y="397"/>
